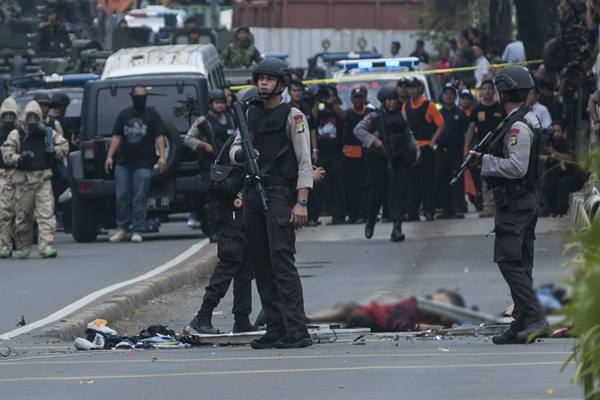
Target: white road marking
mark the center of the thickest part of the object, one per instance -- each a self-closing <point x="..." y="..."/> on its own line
<point x="84" y="301"/>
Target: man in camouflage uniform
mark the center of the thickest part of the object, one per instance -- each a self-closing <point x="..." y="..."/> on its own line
<point x="9" y="113"/>
<point x="241" y="52"/>
<point x="31" y="150"/>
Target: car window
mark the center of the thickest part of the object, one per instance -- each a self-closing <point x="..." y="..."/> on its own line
<point x="175" y="108"/>
<point x="75" y="97"/>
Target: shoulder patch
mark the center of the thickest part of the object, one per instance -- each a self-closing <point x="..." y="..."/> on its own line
<point x="513" y="134"/>
<point x="299" y="123"/>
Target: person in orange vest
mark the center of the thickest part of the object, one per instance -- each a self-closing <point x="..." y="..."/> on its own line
<point x="354" y="170"/>
<point x="426" y="124"/>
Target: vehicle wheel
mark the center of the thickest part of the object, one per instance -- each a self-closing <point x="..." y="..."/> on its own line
<point x="84" y="225"/>
<point x="174" y="148"/>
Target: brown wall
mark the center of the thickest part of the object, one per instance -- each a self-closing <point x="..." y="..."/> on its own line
<point x="337" y="14"/>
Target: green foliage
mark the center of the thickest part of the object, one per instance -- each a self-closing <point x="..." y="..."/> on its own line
<point x="583" y="311"/>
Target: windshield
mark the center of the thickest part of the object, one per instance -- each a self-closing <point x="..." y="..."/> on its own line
<point x="75" y="97"/>
<point x="174" y="107"/>
<point x="344" y="89"/>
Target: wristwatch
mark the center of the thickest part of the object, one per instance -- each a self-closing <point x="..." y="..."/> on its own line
<point x="302" y="202"/>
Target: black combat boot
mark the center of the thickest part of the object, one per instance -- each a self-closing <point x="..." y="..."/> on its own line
<point x="202" y="322"/>
<point x="510" y="336"/>
<point x="268" y="340"/>
<point x="295" y="339"/>
<point x="397" y="235"/>
<point x="533" y="330"/>
<point x="369" y="229"/>
<point x="242" y="324"/>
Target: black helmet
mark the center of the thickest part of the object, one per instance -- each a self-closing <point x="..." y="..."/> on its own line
<point x="41" y="98"/>
<point x="274" y="67"/>
<point x="450" y="87"/>
<point x="513" y="78"/>
<point x="402" y="81"/>
<point x="360" y="91"/>
<point x="387" y="93"/>
<point x="415" y="82"/>
<point x="60" y="99"/>
<point x="216" y="94"/>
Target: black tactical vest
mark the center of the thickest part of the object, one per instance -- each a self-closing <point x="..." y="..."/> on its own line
<point x="5" y="130"/>
<point x="219" y="131"/>
<point x="270" y="137"/>
<point x="36" y="143"/>
<point x="422" y="130"/>
<point x="534" y="170"/>
<point x="398" y="137"/>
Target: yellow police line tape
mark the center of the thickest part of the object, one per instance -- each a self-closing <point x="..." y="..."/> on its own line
<point x="397" y="75"/>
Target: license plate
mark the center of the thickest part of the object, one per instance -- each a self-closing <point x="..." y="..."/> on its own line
<point x="157" y="203"/>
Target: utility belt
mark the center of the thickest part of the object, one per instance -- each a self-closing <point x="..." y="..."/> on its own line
<point x="272" y="181"/>
<point x="505" y="195"/>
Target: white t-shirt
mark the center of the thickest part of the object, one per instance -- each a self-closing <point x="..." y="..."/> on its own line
<point x="483" y="68"/>
<point x="514" y="52"/>
<point x="543" y="114"/>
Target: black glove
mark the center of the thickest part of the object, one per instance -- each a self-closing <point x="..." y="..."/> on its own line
<point x="24" y="159"/>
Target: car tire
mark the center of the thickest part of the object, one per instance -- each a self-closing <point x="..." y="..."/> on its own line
<point x="174" y="149"/>
<point x="84" y="225"/>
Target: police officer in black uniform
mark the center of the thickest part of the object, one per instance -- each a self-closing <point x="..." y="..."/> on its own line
<point x="392" y="150"/>
<point x="512" y="170"/>
<point x="281" y="139"/>
<point x="212" y="134"/>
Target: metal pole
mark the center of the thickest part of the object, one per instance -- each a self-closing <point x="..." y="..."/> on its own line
<point x="214" y="14"/>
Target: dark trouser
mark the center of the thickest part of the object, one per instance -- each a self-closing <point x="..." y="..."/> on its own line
<point x="331" y="190"/>
<point x="422" y="184"/>
<point x="382" y="187"/>
<point x="234" y="263"/>
<point x="354" y="172"/>
<point x="557" y="188"/>
<point x="272" y="244"/>
<point x="447" y="163"/>
<point x="513" y="251"/>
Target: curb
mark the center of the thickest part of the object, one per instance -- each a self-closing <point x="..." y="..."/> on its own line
<point x="127" y="301"/>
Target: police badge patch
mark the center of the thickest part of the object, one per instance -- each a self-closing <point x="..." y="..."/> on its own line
<point x="513" y="134"/>
<point x="298" y="124"/>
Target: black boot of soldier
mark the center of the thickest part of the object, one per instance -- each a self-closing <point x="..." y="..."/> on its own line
<point x="202" y="323"/>
<point x="369" y="229"/>
<point x="510" y="336"/>
<point x="268" y="340"/>
<point x="532" y="331"/>
<point x="295" y="339"/>
<point x="243" y="324"/>
<point x="397" y="235"/>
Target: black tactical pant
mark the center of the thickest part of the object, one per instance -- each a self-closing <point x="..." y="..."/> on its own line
<point x="382" y="187"/>
<point x="422" y="184"/>
<point x="354" y="182"/>
<point x="515" y="220"/>
<point x="451" y="198"/>
<point x="272" y="245"/>
<point x="331" y="190"/>
<point x="234" y="263"/>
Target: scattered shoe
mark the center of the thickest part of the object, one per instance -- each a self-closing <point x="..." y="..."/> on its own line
<point x="533" y="331"/>
<point x="120" y="236"/>
<point x="137" y="238"/>
<point x="267" y="341"/>
<point x="294" y="340"/>
<point x="49" y="252"/>
<point x="22" y="254"/>
<point x="5" y="253"/>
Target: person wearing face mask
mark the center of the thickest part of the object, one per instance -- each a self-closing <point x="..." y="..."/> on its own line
<point x="9" y="112"/>
<point x="137" y="136"/>
<point x="32" y="151"/>
<point x="44" y="101"/>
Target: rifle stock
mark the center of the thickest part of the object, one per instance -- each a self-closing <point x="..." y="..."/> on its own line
<point x="253" y="171"/>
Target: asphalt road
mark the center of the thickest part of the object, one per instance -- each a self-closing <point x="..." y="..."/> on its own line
<point x="36" y="288"/>
<point x="336" y="265"/>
